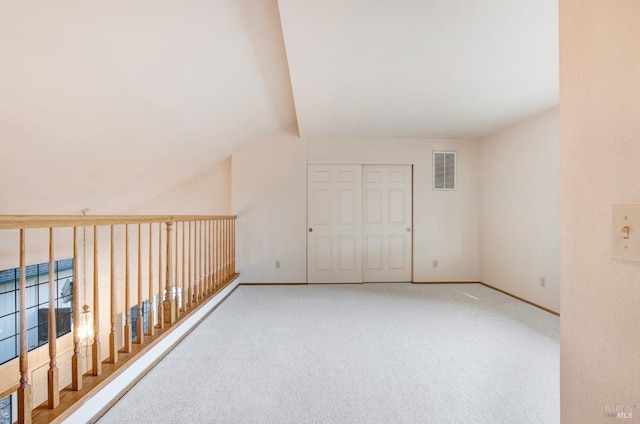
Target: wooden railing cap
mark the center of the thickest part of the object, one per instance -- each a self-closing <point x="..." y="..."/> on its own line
<point x="12" y="222"/>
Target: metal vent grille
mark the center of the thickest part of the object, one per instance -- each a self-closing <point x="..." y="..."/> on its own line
<point x="444" y="170"/>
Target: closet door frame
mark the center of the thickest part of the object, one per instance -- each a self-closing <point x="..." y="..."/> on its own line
<point x="335" y="233"/>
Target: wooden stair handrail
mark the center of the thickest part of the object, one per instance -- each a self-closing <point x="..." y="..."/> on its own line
<point x="15" y="222"/>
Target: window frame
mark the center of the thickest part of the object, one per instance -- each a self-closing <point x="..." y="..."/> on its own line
<point x="37" y="280"/>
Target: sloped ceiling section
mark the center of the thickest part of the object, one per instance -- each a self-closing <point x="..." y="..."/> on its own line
<point x="419" y="69"/>
<point x="107" y="104"/>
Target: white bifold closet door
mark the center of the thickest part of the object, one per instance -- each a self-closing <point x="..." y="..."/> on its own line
<point x="386" y="223"/>
<point x="359" y="223"/>
<point x="334" y="242"/>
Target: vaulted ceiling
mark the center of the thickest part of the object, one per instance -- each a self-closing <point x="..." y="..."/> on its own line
<point x="419" y="69"/>
<point x="111" y="103"/>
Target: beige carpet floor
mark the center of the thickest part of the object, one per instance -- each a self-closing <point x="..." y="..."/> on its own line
<point x="369" y="353"/>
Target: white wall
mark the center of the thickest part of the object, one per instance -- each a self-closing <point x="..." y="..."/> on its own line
<point x="445" y="226"/>
<point x="600" y="152"/>
<point x="106" y="104"/>
<point x="269" y="197"/>
<point x="208" y="194"/>
<point x="520" y="209"/>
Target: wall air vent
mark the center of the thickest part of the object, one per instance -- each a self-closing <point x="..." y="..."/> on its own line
<point x="444" y="170"/>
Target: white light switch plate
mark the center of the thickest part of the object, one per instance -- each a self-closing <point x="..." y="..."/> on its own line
<point x="625" y="216"/>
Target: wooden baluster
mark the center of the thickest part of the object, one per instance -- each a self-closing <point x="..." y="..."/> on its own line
<point x="214" y="253"/>
<point x="222" y="251"/>
<point x="127" y="294"/>
<point x="176" y="295"/>
<point x="206" y="258"/>
<point x="76" y="365"/>
<point x="176" y="268"/>
<point x="229" y="243"/>
<point x="195" y="262"/>
<point x="24" y="390"/>
<point x="169" y="303"/>
<point x="96" y="356"/>
<point x="203" y="261"/>
<point x="140" y="323"/>
<point x="211" y="257"/>
<point x="205" y="283"/>
<point x="218" y="242"/>
<point x="228" y="248"/>
<point x="233" y="246"/>
<point x="225" y="224"/>
<point x="202" y="294"/>
<point x="205" y="250"/>
<point x="229" y="254"/>
<point x="183" y="295"/>
<point x="53" y="382"/>
<point x="190" y="281"/>
<point x="161" y="293"/>
<point x="221" y="244"/>
<point x="151" y="314"/>
<point x="212" y="243"/>
<point x="207" y="265"/>
<point x="113" y="340"/>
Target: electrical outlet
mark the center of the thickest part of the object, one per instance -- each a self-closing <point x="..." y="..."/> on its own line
<point x="435" y="263"/>
<point x="277" y="264"/>
<point x="542" y="282"/>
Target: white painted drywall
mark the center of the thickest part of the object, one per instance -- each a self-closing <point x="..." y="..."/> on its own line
<point x="105" y="105"/>
<point x="419" y="69"/>
<point x="269" y="197"/>
<point x="206" y="194"/>
<point x="600" y="153"/>
<point x="520" y="209"/>
<point x="445" y="224"/>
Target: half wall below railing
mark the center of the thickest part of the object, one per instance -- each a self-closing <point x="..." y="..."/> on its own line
<point x="136" y="275"/>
